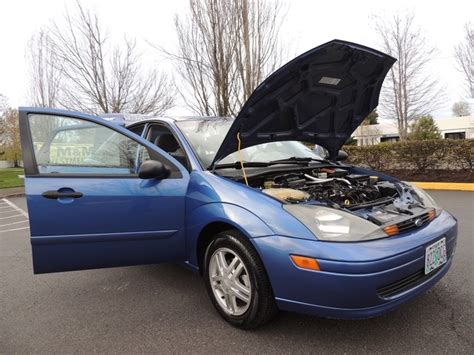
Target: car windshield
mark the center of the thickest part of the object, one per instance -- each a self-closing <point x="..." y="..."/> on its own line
<point x="205" y="137"/>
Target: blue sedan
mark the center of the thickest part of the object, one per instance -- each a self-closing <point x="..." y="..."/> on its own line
<point x="269" y="223"/>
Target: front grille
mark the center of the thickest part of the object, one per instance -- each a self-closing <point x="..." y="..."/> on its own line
<point x="410" y="281"/>
<point x="403" y="284"/>
<point x="409" y="224"/>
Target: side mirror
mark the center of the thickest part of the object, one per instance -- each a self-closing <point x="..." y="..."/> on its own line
<point x="152" y="169"/>
<point x="342" y="155"/>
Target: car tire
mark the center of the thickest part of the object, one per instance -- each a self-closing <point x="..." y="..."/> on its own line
<point x="229" y="290"/>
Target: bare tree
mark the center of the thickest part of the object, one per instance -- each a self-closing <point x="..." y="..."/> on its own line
<point x="45" y="71"/>
<point x="206" y="47"/>
<point x="3" y="103"/>
<point x="46" y="80"/>
<point x="464" y="54"/>
<point x="461" y="109"/>
<point x="258" y="52"/>
<point x="225" y="48"/>
<point x="101" y="77"/>
<point x="410" y="92"/>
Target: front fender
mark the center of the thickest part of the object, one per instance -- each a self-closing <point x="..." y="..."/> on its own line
<point x="240" y="218"/>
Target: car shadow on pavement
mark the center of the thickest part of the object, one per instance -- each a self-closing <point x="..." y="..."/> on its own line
<point x="395" y="331"/>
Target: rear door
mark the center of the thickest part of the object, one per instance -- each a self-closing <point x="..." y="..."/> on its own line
<point x="88" y="208"/>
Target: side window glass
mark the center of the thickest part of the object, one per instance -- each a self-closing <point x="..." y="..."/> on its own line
<point x="138" y="130"/>
<point x="163" y="138"/>
<point x="66" y="145"/>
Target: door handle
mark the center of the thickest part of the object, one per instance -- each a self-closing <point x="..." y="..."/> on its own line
<point x="54" y="195"/>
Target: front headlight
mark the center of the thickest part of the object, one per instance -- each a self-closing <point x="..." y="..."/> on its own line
<point x="426" y="199"/>
<point x="335" y="225"/>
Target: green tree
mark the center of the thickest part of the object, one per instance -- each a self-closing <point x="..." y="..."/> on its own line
<point x="10" y="131"/>
<point x="424" y="128"/>
<point x="351" y="141"/>
<point x="372" y="118"/>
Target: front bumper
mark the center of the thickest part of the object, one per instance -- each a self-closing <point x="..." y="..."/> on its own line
<point x="357" y="280"/>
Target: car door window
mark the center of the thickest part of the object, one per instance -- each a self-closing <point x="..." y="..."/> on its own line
<point x="162" y="137"/>
<point x="138" y="130"/>
<point x="65" y="145"/>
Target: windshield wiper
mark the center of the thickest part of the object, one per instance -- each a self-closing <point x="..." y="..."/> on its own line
<point x="238" y="165"/>
<point x="262" y="164"/>
<point x="297" y="160"/>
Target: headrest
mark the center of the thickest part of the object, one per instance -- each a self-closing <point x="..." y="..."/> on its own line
<point x="167" y="142"/>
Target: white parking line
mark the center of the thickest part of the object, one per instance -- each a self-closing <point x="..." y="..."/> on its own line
<point x="11" y="204"/>
<point x="3" y="207"/>
<point x="5" y="213"/>
<point x="17" y="215"/>
<point x="15" y="229"/>
<point x="10" y="224"/>
<point x="14" y="208"/>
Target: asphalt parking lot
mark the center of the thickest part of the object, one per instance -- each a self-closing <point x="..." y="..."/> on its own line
<point x="164" y="308"/>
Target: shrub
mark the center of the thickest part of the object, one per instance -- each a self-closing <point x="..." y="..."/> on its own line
<point x="461" y="154"/>
<point x="421" y="155"/>
<point x="415" y="154"/>
<point x="374" y="156"/>
<point x="10" y="153"/>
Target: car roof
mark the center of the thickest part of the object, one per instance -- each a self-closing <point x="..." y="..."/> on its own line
<point x="125" y="119"/>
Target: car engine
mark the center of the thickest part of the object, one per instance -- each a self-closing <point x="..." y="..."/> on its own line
<point x="364" y="195"/>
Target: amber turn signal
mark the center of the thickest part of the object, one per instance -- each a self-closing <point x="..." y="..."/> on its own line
<point x="391" y="229"/>
<point x="305" y="263"/>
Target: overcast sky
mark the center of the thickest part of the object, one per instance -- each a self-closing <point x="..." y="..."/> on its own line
<point x="307" y="24"/>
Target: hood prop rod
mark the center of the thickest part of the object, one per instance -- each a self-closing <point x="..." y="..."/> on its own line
<point x="241" y="160"/>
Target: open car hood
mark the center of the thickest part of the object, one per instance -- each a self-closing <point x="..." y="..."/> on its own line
<point x="321" y="97"/>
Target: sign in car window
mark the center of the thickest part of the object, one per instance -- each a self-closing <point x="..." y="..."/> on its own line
<point x="73" y="146"/>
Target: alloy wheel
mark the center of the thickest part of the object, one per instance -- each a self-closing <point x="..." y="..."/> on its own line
<point x="230" y="281"/>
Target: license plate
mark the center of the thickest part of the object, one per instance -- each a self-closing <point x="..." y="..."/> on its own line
<point x="435" y="255"/>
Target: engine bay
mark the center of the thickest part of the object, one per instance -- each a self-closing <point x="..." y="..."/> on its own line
<point x="381" y="202"/>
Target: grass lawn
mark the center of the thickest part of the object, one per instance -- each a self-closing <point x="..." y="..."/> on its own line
<point x="9" y="178"/>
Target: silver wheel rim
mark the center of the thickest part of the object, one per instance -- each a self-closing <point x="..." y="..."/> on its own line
<point x="230" y="282"/>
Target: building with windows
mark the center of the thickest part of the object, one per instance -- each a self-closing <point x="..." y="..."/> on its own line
<point x="450" y="128"/>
